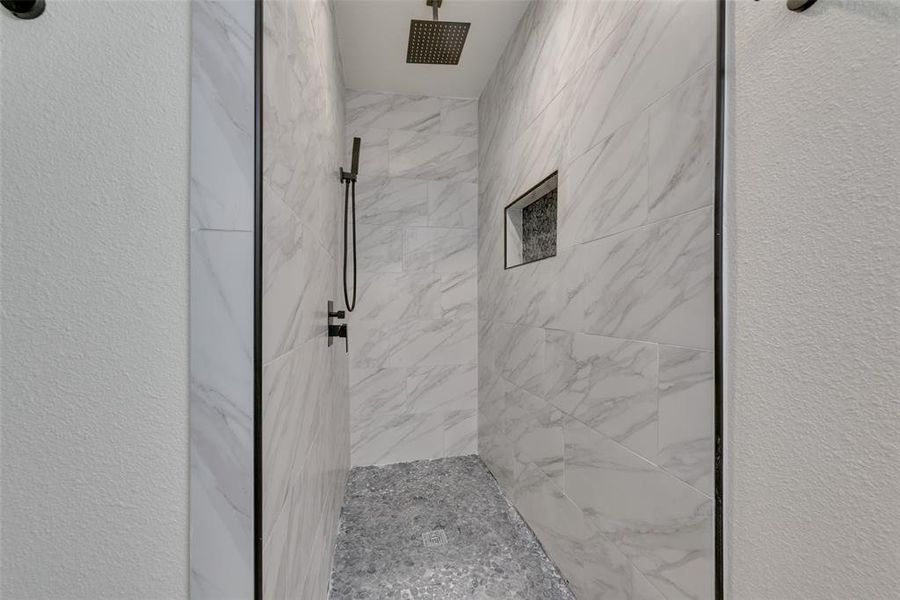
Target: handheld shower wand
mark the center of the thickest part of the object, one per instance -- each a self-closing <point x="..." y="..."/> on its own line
<point x="349" y="181"/>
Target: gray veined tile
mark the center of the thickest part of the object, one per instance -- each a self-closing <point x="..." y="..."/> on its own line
<point x="396" y="296"/>
<point x="459" y="116"/>
<point x="296" y="283"/>
<point x="372" y="343"/>
<point x="442" y="388"/>
<point x="412" y="342"/>
<point x="652" y="50"/>
<point x="540" y="147"/>
<point x="377" y="392"/>
<point x="432" y="342"/>
<point x="433" y="156"/>
<point x="392" y="111"/>
<point x="608" y="384"/>
<point x="653" y="283"/>
<point x="379" y="248"/>
<point x="530" y="294"/>
<point x="593" y="566"/>
<point x="222" y="116"/>
<point x="604" y="191"/>
<point x="221" y="408"/>
<point x="461" y="433"/>
<point x="362" y="107"/>
<point x="374" y="153"/>
<point x="391" y="201"/>
<point x="686" y="396"/>
<point x="400" y="438"/>
<point x="535" y="429"/>
<point x="661" y="524"/>
<point x="682" y="147"/>
<point x="459" y="295"/>
<point x="520" y="356"/>
<point x="294" y="386"/>
<point x="452" y="204"/>
<point x="440" y="250"/>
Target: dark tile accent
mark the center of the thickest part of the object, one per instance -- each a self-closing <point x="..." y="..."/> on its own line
<point x="539" y="228"/>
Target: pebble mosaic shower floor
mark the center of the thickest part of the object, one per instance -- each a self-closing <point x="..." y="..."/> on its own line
<point x="437" y="530"/>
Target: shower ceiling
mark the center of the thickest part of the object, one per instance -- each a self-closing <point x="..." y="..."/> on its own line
<point x="373" y="37"/>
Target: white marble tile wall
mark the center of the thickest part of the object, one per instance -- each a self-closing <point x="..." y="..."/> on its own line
<point x="595" y="367"/>
<point x="221" y="324"/>
<point x="413" y="375"/>
<point x="306" y="414"/>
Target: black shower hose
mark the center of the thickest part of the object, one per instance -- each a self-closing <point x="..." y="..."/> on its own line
<point x="348" y="198"/>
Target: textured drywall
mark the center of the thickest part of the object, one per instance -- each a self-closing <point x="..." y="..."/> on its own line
<point x="94" y="134"/>
<point x="814" y="364"/>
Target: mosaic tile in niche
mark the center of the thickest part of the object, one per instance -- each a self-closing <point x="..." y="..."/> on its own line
<point x="539" y="228"/>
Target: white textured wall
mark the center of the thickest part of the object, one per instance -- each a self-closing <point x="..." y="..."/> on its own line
<point x="94" y="133"/>
<point x="814" y="408"/>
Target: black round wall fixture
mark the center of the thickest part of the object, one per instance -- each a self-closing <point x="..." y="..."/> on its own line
<point x="799" y="5"/>
<point x="24" y="9"/>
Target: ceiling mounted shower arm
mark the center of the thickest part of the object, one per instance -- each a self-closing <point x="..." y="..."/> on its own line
<point x="435" y="5"/>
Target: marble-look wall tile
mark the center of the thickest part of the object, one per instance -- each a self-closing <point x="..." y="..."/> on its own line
<point x="222" y="115"/>
<point x="459" y="116"/>
<point x="398" y="296"/>
<point x="440" y="250"/>
<point x="452" y="204"/>
<point x="682" y="147"/>
<point x="647" y="55"/>
<point x="652" y="283"/>
<point x="459" y="295"/>
<point x="221" y="406"/>
<point x="607" y="383"/>
<point x="392" y="111"/>
<point x="379" y="248"/>
<point x="535" y="429"/>
<point x="433" y="156"/>
<point x="378" y="392"/>
<point x="374" y="152"/>
<point x="520" y="356"/>
<point x="686" y="427"/>
<point x="221" y="299"/>
<point x="417" y="304"/>
<point x="295" y="267"/>
<point x="446" y="388"/>
<point x="590" y="384"/>
<point x="594" y="567"/>
<point x="461" y="432"/>
<point x="604" y="191"/>
<point x="663" y="525"/>
<point x="305" y="404"/>
<point x="381" y="440"/>
<point x="391" y="201"/>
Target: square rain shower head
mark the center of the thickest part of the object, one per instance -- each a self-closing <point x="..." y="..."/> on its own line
<point x="436" y="42"/>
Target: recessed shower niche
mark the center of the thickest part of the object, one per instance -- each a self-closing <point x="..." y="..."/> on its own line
<point x="530" y="224"/>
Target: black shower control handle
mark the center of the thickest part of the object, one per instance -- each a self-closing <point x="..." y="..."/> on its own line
<point x="335" y="330"/>
<point x="339" y="331"/>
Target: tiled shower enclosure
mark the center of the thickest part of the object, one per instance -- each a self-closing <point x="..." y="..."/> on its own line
<point x="583" y="380"/>
<point x="595" y="367"/>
